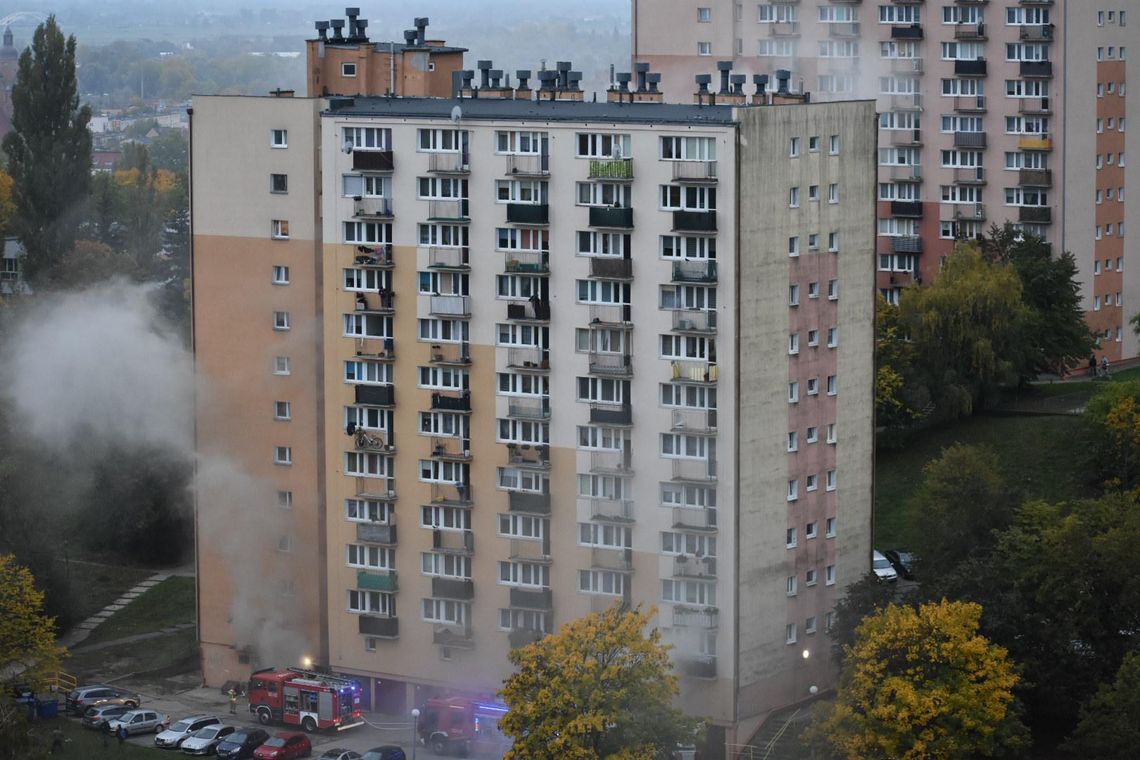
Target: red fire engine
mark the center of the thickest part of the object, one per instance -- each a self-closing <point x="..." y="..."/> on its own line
<point x="304" y="698"/>
<point x="453" y="724"/>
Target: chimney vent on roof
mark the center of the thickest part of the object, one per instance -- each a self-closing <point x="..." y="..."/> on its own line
<point x="738" y="81"/>
<point x="573" y="79"/>
<point x="761" y="82"/>
<point x="523" y="75"/>
<point x="352" y="13"/>
<point x="322" y="30"/>
<point x="496" y="78"/>
<point x="420" y="24"/>
<point x="653" y="78"/>
<point x="724" y="67"/>
<point x="563" y="68"/>
<point x="782" y="77"/>
<point x="467" y="75"/>
<point x="337" y="25"/>
<point x="623" y="79"/>
<point x="703" y="81"/>
<point x="361" y="25"/>
<point x="484" y="73"/>
<point x="641" y="69"/>
<point x="548" y="80"/>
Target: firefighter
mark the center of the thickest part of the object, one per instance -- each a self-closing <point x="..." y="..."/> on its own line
<point x="233" y="701"/>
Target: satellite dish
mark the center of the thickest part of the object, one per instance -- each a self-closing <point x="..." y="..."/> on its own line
<point x="347" y="147"/>
<point x="456" y="114"/>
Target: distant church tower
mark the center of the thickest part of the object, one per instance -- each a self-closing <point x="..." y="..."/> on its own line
<point x="9" y="63"/>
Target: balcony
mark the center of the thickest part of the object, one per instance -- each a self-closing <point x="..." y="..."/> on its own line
<point x="784" y="29"/>
<point x="453" y="541"/>
<point x="531" y="503"/>
<point x="905" y="173"/>
<point x="694" y="567"/>
<point x="370" y="440"/>
<point x="912" y="209"/>
<point x="451" y="494"/>
<point x="530" y="214"/>
<point x="613" y="169"/>
<point x="449" y="258"/>
<point x="450" y="449"/>
<point x="970" y="103"/>
<point x="534" y="310"/>
<point x="912" y="32"/>
<point x="611" y="218"/>
<point x="612" y="559"/>
<point x="969" y="139"/>
<point x="521" y="637"/>
<point x="695" y="617"/>
<point x="375" y="395"/>
<point x="451" y="354"/>
<point x="694" y="517"/>
<point x="693" y="372"/>
<point x="611" y="365"/>
<point x="452" y="588"/>
<point x="905" y="136"/>
<point x="911" y="101"/>
<point x="1038" y="33"/>
<point x="372" y="161"/>
<point x="694" y="221"/>
<point x="1035" y="142"/>
<point x="694" y="271"/>
<point x="528" y="165"/>
<point x="453" y="637"/>
<point x="906" y="65"/>
<point x="698" y="667"/>
<point x="520" y="409"/>
<point x="700" y="421"/>
<point x="694" y="171"/>
<point x="376" y="581"/>
<point x="970" y="175"/>
<point x="611" y="462"/>
<point x="527" y="262"/>
<point x="456" y="210"/>
<point x="379" y="256"/>
<point x="1036" y="68"/>
<point x="449" y="306"/>
<point x="461" y="403"/>
<point x="528" y="357"/>
<point x="372" y="208"/>
<point x="975" y="68"/>
<point x="530" y="549"/>
<point x="453" y="162"/>
<point x="381" y="303"/>
<point x="532" y="600"/>
<point x="970" y="31"/>
<point x="969" y="212"/>
<point x="1035" y="177"/>
<point x="387" y="348"/>
<point x="380" y="627"/>
<point x="694" y="470"/>
<point x="845" y="30"/>
<point x="694" y="321"/>
<point x="611" y="268"/>
<point x="612" y="510"/>
<point x="611" y="414"/>
<point x="381" y="489"/>
<point x="376" y="533"/>
<point x="1035" y="106"/>
<point x="1035" y="214"/>
<point x="906" y="244"/>
<point x="526" y="457"/>
<point x="615" y="314"/>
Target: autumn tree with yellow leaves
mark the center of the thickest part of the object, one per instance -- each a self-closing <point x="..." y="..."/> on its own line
<point x="922" y="684"/>
<point x="599" y="688"/>
<point x="27" y="636"/>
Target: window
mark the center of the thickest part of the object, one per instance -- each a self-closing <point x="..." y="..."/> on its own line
<point x="285" y="499"/>
<point x="813" y="386"/>
<point x="809" y="623"/>
<point x="833" y="145"/>
<point x="812" y="435"/>
<point x="704" y="15"/>
<point x="794" y="147"/>
<point x="813" y="338"/>
<point x="348" y="69"/>
<point x="810" y="577"/>
<point x="829" y="529"/>
<point x="813" y="242"/>
<point x="831" y="385"/>
<point x="282" y="410"/>
<point x="813" y="144"/>
<point x="811" y="482"/>
<point x="605" y="535"/>
<point x="833" y="193"/>
<point x="445" y="612"/>
<point x="794" y="198"/>
<point x="790" y="633"/>
<point x="278" y="183"/>
<point x="704" y="48"/>
<point x="833" y="242"/>
<point x="605" y="582"/>
<point x="793" y="489"/>
<point x="793" y="344"/>
<point x="793" y="392"/>
<point x="794" y="246"/>
<point x="813" y="289"/>
<point x="280" y="229"/>
<point x="832" y="337"/>
<point x="524" y="574"/>
<point x="368" y="138"/>
<point x="791" y="585"/>
<point x="282" y="365"/>
<point x="833" y="290"/>
<point x="810" y="530"/>
<point x="280" y="275"/>
<point x="369" y="557"/>
<point x="282" y="455"/>
<point x="790" y="538"/>
<point x="367" y="510"/>
<point x="793" y="441"/>
<point x="372" y="602"/>
<point x="280" y="320"/>
<point x="279" y="138"/>
<point x="829" y="575"/>
<point x="830" y="480"/>
<point x="813" y="192"/>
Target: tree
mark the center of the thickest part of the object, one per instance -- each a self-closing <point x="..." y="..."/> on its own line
<point x="27" y="637"/>
<point x="49" y="151"/>
<point x="1056" y="335"/>
<point x="962" y="500"/>
<point x="896" y="402"/>
<point x="599" y="688"/>
<point x="866" y="596"/>
<point x="966" y="330"/>
<point x="1109" y="728"/>
<point x="1113" y="418"/>
<point x="922" y="685"/>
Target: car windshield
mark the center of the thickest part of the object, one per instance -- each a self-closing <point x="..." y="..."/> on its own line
<point x="276" y="741"/>
<point x="181" y="726"/>
<point x="881" y="563"/>
<point x="238" y="737"/>
<point x="209" y="732"/>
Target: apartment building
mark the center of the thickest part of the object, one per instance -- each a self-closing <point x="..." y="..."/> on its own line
<point x="986" y="113"/>
<point x="514" y="357"/>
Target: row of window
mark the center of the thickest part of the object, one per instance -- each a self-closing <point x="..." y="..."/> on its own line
<point x="811" y="483"/>
<point x="1109" y="229"/>
<point x="811" y="530"/>
<point x="811" y="578"/>
<point x="812" y="340"/>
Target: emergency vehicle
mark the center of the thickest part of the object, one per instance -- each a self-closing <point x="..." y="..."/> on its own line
<point x="304" y="698"/>
<point x="453" y="724"/>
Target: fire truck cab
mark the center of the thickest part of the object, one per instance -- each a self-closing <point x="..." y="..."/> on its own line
<point x="304" y="698"/>
<point x="452" y="724"/>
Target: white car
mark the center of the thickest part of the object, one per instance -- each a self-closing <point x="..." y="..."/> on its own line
<point x="173" y="737"/>
<point x="139" y="722"/>
<point x="883" y="568"/>
<point x="205" y="741"/>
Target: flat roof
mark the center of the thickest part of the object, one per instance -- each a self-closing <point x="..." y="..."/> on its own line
<point x="532" y="110"/>
<point x="384" y="47"/>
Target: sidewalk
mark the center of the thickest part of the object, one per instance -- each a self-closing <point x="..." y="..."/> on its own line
<point x="81" y="631"/>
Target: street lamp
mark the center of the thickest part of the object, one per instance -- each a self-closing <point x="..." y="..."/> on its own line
<point x="415" y="730"/>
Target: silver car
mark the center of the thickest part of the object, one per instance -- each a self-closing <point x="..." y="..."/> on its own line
<point x="139" y="722"/>
<point x="173" y="737"/>
<point x="205" y="741"/>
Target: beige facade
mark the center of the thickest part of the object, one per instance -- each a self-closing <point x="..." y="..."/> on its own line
<point x="551" y="372"/>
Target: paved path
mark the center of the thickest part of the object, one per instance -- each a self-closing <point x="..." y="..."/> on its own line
<point x="81" y="631"/>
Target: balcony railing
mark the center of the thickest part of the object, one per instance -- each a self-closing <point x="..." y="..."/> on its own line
<point x="611" y="559"/>
<point x="452" y="588"/>
<point x="1036" y="68"/>
<point x="694" y="271"/>
<point x="694" y="320"/>
<point x="969" y="139"/>
<point x="370" y="440"/>
<point x="453" y="541"/>
<point x="694" y="420"/>
<point x="969" y="211"/>
<point x="450" y="306"/>
<point x="381" y="489"/>
<point x="451" y="449"/>
<point x="611" y="268"/>
<point x="906" y="101"/>
<point x="611" y="462"/>
<point x="449" y="210"/>
<point x="906" y="244"/>
<point x="970" y="175"/>
<point x="1035" y="106"/>
<point x="533" y="503"/>
<point x="616" y="510"/>
<point x="1038" y="33"/>
<point x="536" y="214"/>
<point x="906" y="65"/>
<point x="784" y="29"/>
<point x="970" y="103"/>
<point x="372" y="161"/>
<point x="912" y="209"/>
<point x="528" y="357"/>
<point x="376" y="533"/>
<point x="1035" y="214"/>
<point x="372" y="208"/>
<point x="528" y="457"/>
<point x="451" y="494"/>
<point x="701" y="470"/>
<point x="458" y="354"/>
<point x="1035" y="177"/>
<point x="695" y="617"/>
<point x="905" y="136"/>
<point x="613" y="218"/>
<point x="611" y="414"/>
<point x="529" y="410"/>
<point x="694" y="517"/>
<point x="449" y="258"/>
<point x="905" y="173"/>
<point x="383" y="302"/>
<point x="377" y="581"/>
<point x="379" y="256"/>
<point x="521" y="637"/>
<point x="537" y="599"/>
<point x="614" y="169"/>
<point x="375" y="395"/>
<point x="912" y="32"/>
<point x="971" y="68"/>
<point x="525" y="262"/>
<point x="534" y="310"/>
<point x="844" y="29"/>
<point x="698" y="667"/>
<point x="525" y="548"/>
<point x="694" y="221"/>
<point x="1035" y="142"/>
<point x="617" y="365"/>
<point x="379" y="627"/>
<point x="615" y="314"/>
<point x="694" y="171"/>
<point x="528" y="165"/>
<point x="453" y="637"/>
<point x="694" y="372"/>
<point x="461" y="403"/>
<point x="694" y="567"/>
<point x="970" y="32"/>
<point x="455" y="162"/>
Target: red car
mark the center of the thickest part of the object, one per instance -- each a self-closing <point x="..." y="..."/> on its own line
<point x="284" y="747"/>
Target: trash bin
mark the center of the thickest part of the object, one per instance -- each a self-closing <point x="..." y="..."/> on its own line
<point x="47" y="708"/>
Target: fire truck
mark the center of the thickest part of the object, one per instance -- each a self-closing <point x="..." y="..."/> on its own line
<point x="304" y="698"/>
<point x="453" y="724"/>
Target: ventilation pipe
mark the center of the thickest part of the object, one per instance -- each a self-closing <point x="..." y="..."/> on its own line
<point x="724" y="67"/>
<point x="653" y="79"/>
<point x="484" y="74"/>
<point x="322" y="30"/>
<point x="641" y="69"/>
<point x="352" y="13"/>
<point x="420" y="25"/>
<point x="523" y="75"/>
<point x="337" y="25"/>
<point x="738" y="81"/>
<point x="782" y="77"/>
<point x="563" y="68"/>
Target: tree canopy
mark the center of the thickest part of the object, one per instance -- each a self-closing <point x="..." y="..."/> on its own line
<point x="1113" y="418"/>
<point x="922" y="684"/>
<point x="599" y="688"/>
<point x="27" y="636"/>
<point x="1109" y="728"/>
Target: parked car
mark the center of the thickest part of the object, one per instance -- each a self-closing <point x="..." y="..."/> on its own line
<point x="338" y="753"/>
<point x="882" y="567"/>
<point x="902" y="561"/>
<point x="96" y="716"/>
<point x="241" y="743"/>
<point x="284" y="747"/>
<point x="205" y="740"/>
<point x="387" y="752"/>
<point x="173" y="737"/>
<point x="78" y="700"/>
<point x="140" y="721"/>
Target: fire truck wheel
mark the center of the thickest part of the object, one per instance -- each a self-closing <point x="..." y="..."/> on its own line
<point x="439" y="745"/>
<point x="264" y="716"/>
<point x="309" y="725"/>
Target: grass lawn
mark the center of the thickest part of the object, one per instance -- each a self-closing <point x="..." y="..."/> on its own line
<point x="93" y="586"/>
<point x="175" y="652"/>
<point x="168" y="603"/>
<point x="86" y="744"/>
<point x="1041" y="456"/>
